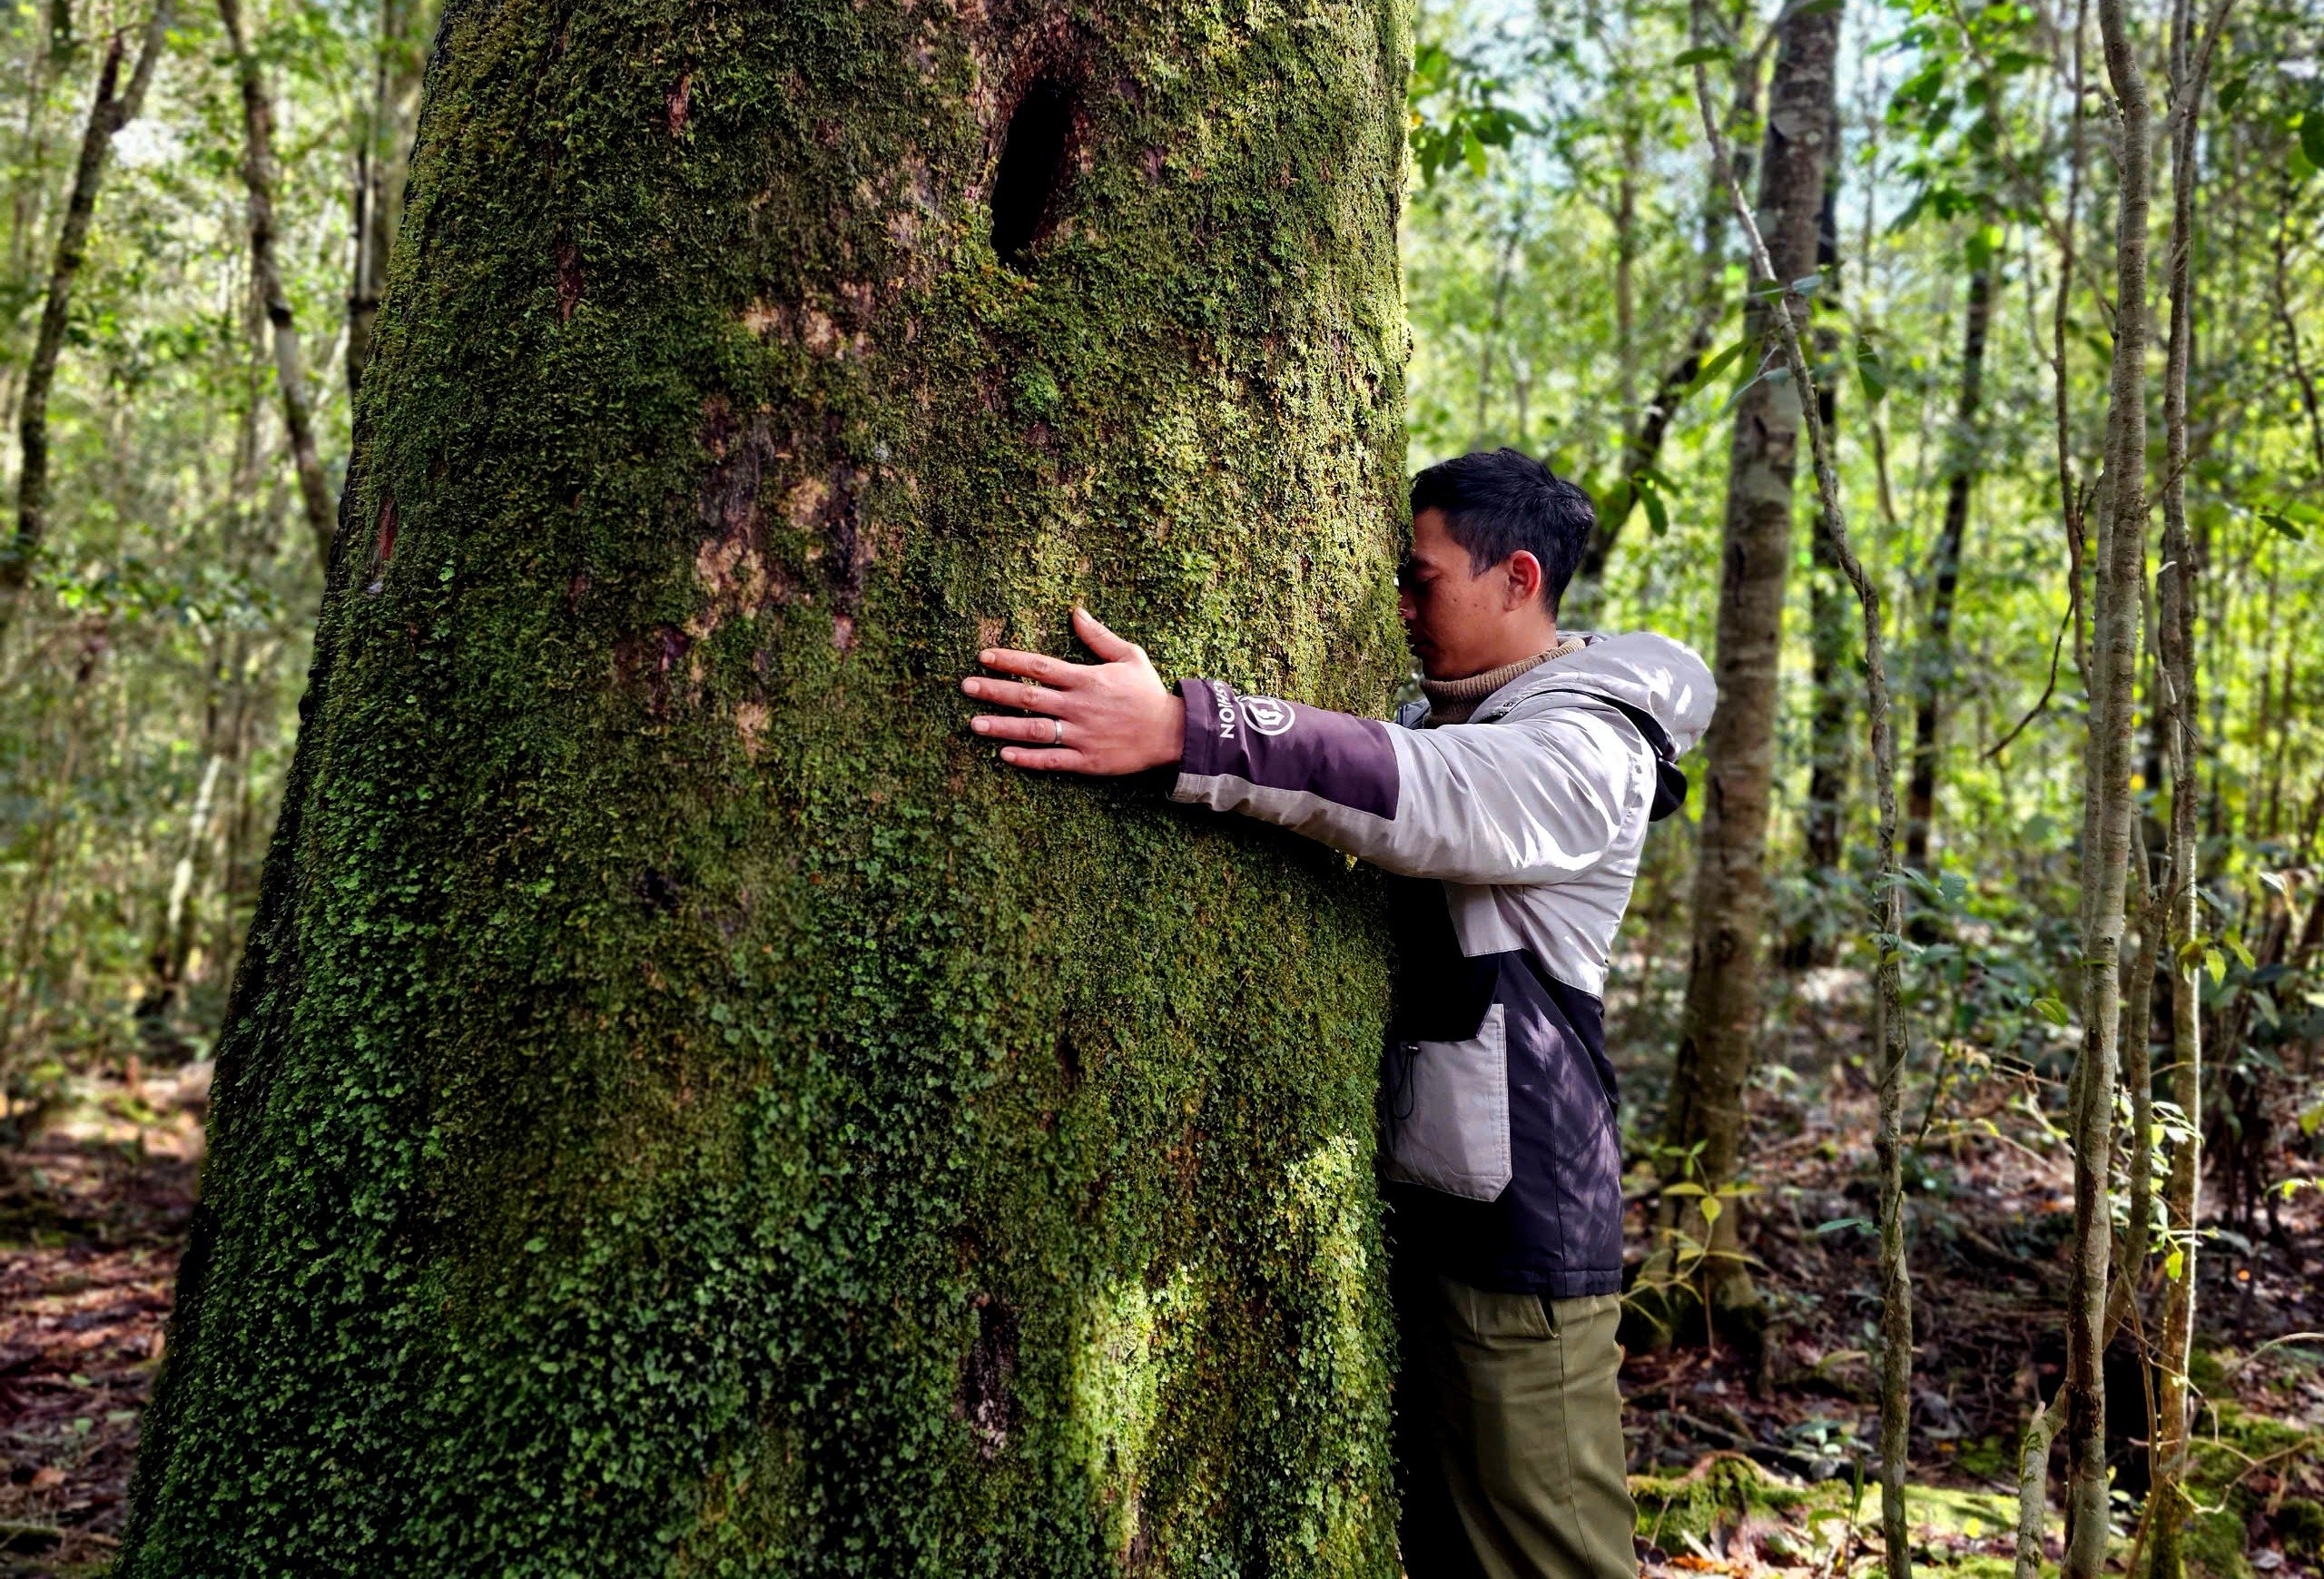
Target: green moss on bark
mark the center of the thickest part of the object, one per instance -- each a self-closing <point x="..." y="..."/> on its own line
<point x="687" y="1109"/>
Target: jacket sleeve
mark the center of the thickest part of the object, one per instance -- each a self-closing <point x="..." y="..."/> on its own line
<point x="1539" y="798"/>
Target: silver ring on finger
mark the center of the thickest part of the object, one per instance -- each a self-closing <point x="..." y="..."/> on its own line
<point x="1057" y="732"/>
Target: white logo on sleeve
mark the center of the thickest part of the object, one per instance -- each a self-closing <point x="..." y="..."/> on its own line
<point x="1266" y="715"/>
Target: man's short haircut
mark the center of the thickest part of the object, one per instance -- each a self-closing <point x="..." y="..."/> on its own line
<point x="1497" y="502"/>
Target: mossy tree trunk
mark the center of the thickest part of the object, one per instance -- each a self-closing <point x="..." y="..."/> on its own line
<point x="685" y="1108"/>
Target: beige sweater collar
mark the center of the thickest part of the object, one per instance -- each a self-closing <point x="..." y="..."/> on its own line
<point x="1452" y="701"/>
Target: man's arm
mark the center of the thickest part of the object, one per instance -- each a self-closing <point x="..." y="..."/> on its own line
<point x="1532" y="799"/>
<point x="1526" y="800"/>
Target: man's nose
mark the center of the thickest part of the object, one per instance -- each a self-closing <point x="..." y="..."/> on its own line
<point x="1406" y="609"/>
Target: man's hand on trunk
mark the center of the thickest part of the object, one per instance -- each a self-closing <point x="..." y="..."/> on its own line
<point x="1105" y="718"/>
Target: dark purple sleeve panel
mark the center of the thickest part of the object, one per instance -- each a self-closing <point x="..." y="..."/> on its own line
<point x="1276" y="745"/>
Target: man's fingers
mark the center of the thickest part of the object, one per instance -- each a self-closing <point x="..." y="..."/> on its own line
<point x="999" y="727"/>
<point x="1101" y="641"/>
<point x="1032" y="666"/>
<point x="1065" y="760"/>
<point x="1009" y="694"/>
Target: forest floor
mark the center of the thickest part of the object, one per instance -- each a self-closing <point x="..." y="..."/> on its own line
<point x="1743" y="1466"/>
<point x="1749" y="1462"/>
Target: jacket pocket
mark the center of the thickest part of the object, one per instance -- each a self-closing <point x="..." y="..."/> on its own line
<point x="1450" y="1129"/>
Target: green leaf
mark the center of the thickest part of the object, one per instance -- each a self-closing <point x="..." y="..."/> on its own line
<point x="2235" y="947"/>
<point x="2312" y="135"/>
<point x="2232" y="89"/>
<point x="1472" y="150"/>
<point x="1684" y="1190"/>
<point x="1658" y="514"/>
<point x="1718" y="365"/>
<point x="1711" y="1208"/>
<point x="1704" y="54"/>
<point x="1838" y="1223"/>
<point x="2283" y="524"/>
<point x="2050" y="1010"/>
<point x="1869" y="370"/>
<point x="2216" y="963"/>
<point x="2174" y="1264"/>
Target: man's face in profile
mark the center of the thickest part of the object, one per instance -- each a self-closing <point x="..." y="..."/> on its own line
<point x="1455" y="618"/>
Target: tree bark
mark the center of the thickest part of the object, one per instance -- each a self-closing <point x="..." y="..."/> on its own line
<point x="2119" y="560"/>
<point x="1936" y="678"/>
<point x="2033" y="1489"/>
<point x="1788" y="314"/>
<point x="113" y="108"/>
<point x="2178" y="602"/>
<point x="684" y="1108"/>
<point x="290" y="360"/>
<point x="1716" y="1047"/>
<point x="1815" y="940"/>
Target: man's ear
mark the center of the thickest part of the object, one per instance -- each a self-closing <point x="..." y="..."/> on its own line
<point x="1524" y="580"/>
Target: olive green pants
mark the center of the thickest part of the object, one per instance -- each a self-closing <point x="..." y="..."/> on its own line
<point x="1509" y="1435"/>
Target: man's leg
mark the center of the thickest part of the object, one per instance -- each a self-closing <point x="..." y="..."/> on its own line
<point x="1524" y="1426"/>
<point x="1429" y="1535"/>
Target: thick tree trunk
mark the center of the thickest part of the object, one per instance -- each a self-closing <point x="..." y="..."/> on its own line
<point x="2118" y="585"/>
<point x="290" y="360"/>
<point x="113" y="108"/>
<point x="685" y="1108"/>
<point x="1935" y="678"/>
<point x="1721" y="1028"/>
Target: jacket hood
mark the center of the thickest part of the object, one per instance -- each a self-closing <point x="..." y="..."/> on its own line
<point x="1662" y="679"/>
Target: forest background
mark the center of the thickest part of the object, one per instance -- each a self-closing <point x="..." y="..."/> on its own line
<point x="1578" y="285"/>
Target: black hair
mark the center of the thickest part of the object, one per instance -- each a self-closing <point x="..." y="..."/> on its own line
<point x="1499" y="502"/>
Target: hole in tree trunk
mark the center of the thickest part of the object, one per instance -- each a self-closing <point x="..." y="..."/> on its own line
<point x="1032" y="170"/>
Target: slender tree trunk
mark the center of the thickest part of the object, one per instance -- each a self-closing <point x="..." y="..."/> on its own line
<point x="1491" y="338"/>
<point x="1716" y="1047"/>
<point x="1788" y="314"/>
<point x="2295" y="359"/>
<point x="2179" y="601"/>
<point x="289" y="362"/>
<point x="113" y="108"/>
<point x="2136" y="1031"/>
<point x="2119" y="556"/>
<point x="1626" y="248"/>
<point x="1936" y="679"/>
<point x="1831" y="647"/>
<point x="24" y="971"/>
<point x="1650" y="424"/>
<point x="685" y="1108"/>
<point x="157" y="1006"/>
<point x="2033" y="1490"/>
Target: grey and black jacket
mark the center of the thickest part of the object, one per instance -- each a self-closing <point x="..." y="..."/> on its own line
<point x="1519" y="831"/>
